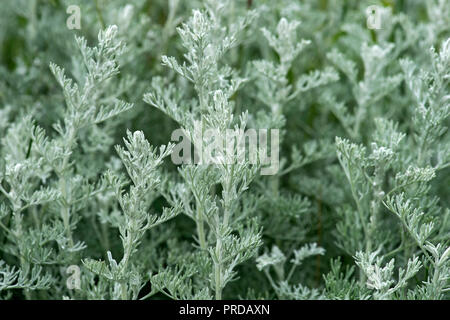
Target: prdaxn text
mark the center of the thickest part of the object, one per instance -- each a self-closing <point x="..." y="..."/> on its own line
<point x="227" y="146"/>
<point x="244" y="309"/>
<point x="229" y="309"/>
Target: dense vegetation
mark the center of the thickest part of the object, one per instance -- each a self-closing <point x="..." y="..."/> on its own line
<point x="92" y="207"/>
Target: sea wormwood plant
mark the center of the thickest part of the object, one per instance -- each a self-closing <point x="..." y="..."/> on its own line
<point x="92" y="207"/>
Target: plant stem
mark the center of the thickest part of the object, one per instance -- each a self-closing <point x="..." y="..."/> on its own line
<point x="218" y="269"/>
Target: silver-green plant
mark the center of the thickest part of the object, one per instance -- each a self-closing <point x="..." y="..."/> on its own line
<point x="104" y="197"/>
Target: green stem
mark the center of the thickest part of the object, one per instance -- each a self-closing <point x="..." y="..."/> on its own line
<point x="201" y="232"/>
<point x="62" y="176"/>
<point x="199" y="221"/>
<point x="435" y="281"/>
<point x="18" y="232"/>
<point x="218" y="269"/>
<point x="124" y="293"/>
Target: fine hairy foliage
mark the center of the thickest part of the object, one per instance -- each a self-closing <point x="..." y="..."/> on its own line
<point x="225" y="149"/>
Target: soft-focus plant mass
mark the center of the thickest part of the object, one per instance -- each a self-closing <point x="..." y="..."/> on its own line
<point x="92" y="205"/>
